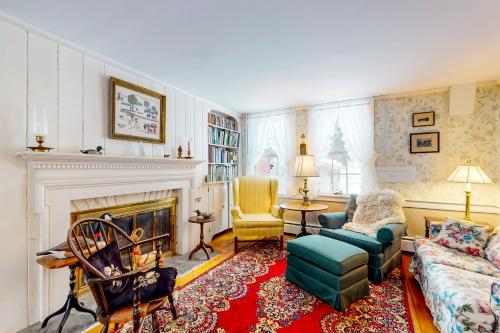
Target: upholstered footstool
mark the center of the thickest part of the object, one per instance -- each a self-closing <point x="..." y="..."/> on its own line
<point x="334" y="271"/>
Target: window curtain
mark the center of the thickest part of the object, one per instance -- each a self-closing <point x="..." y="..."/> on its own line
<point x="276" y="131"/>
<point x="356" y="120"/>
<point x="357" y="123"/>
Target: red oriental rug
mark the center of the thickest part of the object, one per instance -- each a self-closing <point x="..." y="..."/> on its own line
<point x="249" y="293"/>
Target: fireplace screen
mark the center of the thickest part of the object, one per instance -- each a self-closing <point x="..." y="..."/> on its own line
<point x="154" y="217"/>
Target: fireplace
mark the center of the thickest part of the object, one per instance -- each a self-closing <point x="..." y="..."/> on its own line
<point x="156" y="217"/>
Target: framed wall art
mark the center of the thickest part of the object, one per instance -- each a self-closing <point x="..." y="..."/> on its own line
<point x="424" y="142"/>
<point x="137" y="113"/>
<point x="420" y="119"/>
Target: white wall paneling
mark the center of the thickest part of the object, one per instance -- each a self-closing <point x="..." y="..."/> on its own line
<point x="13" y="268"/>
<point x="72" y="84"/>
<point x="70" y="96"/>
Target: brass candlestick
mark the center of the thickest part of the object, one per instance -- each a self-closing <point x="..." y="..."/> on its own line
<point x="40" y="148"/>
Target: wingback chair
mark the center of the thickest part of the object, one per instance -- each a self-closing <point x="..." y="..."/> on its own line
<point x="256" y="213"/>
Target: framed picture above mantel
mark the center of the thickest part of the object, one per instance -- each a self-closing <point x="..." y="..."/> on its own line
<point x="137" y="113"/>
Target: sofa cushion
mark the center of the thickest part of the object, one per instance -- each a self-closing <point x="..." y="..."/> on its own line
<point x="463" y="237"/>
<point x="431" y="253"/>
<point x="459" y="300"/>
<point x="332" y="255"/>
<point x="492" y="251"/>
<point x="257" y="221"/>
<point x="362" y="241"/>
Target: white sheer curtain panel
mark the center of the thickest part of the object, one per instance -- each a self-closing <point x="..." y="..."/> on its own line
<point x="283" y="133"/>
<point x="357" y="123"/>
<point x="255" y="143"/>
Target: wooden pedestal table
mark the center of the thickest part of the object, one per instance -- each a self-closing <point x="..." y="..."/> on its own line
<point x="51" y="262"/>
<point x="202" y="245"/>
<point x="298" y="206"/>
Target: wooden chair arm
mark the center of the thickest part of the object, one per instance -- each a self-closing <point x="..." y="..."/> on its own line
<point x="135" y="273"/>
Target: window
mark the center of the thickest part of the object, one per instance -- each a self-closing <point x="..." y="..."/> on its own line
<point x="338" y="173"/>
<point x="271" y="147"/>
<point x="341" y="139"/>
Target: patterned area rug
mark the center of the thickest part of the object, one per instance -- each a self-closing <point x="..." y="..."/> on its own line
<point x="249" y="293"/>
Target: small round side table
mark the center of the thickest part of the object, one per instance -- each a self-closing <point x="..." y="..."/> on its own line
<point x="298" y="206"/>
<point x="202" y="245"/>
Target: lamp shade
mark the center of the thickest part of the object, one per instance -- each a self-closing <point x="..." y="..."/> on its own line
<point x="305" y="166"/>
<point x="469" y="174"/>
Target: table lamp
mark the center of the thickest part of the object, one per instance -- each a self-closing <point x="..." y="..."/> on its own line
<point x="469" y="174"/>
<point x="305" y="167"/>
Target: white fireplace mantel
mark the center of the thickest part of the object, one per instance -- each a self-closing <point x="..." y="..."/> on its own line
<point x="56" y="179"/>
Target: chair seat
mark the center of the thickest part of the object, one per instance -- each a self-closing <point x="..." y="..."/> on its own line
<point x="125" y="314"/>
<point x="257" y="221"/>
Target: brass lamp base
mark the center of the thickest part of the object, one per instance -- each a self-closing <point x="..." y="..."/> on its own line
<point x="467" y="206"/>
<point x="305" y="198"/>
<point x="40" y="148"/>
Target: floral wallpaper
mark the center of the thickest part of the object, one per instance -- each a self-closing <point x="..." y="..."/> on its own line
<point x="462" y="137"/>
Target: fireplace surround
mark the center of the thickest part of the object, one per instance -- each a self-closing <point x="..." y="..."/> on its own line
<point x="57" y="180"/>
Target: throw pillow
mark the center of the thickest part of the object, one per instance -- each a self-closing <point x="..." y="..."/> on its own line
<point x="380" y="205"/>
<point x="492" y="251"/>
<point x="434" y="229"/>
<point x="495" y="299"/>
<point x="351" y="207"/>
<point x="463" y="237"/>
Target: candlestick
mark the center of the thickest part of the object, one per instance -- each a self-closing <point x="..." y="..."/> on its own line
<point x="39" y="122"/>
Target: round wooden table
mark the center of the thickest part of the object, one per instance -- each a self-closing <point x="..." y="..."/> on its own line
<point x="298" y="206"/>
<point x="202" y="245"/>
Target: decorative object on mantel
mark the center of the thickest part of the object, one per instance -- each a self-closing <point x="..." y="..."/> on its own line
<point x="188" y="157"/>
<point x="137" y="113"/>
<point x="179" y="152"/>
<point x="421" y="119"/>
<point x="305" y="167"/>
<point x="469" y="174"/>
<point x="424" y="142"/>
<point x="40" y="130"/>
<point x="40" y="148"/>
<point x="166" y="156"/>
<point x="97" y="151"/>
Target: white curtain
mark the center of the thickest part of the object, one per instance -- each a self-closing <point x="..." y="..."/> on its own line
<point x="357" y="124"/>
<point x="356" y="120"/>
<point x="255" y="143"/>
<point x="276" y="131"/>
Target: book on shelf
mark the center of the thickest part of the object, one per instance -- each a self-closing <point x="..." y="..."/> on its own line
<point x="219" y="136"/>
<point x="221" y="173"/>
<point x="221" y="155"/>
<point x="222" y="121"/>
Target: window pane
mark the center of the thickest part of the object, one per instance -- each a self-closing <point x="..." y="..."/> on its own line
<point x="354" y="184"/>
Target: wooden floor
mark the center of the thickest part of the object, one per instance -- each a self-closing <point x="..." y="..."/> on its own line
<point x="422" y="318"/>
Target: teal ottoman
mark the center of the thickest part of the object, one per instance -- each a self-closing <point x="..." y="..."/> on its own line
<point x="334" y="271"/>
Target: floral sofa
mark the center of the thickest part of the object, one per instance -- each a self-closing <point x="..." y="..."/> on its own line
<point x="461" y="290"/>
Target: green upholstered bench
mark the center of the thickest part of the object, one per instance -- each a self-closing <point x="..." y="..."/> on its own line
<point x="334" y="271"/>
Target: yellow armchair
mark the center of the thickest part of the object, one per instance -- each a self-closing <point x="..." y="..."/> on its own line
<point x="256" y="212"/>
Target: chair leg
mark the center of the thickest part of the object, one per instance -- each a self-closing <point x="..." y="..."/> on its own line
<point x="235" y="244"/>
<point x="105" y="328"/>
<point x="281" y="243"/>
<point x="172" y="306"/>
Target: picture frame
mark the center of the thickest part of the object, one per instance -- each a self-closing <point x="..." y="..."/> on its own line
<point x="424" y="142"/>
<point x="137" y="113"/>
<point x="421" y="119"/>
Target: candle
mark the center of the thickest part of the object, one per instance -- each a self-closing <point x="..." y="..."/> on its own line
<point x="39" y="122"/>
<point x="189" y="147"/>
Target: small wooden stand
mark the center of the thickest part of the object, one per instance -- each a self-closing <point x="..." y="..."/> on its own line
<point x="50" y="262"/>
<point x="202" y="245"/>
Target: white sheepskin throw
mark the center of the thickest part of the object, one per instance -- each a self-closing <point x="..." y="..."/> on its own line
<point x="375" y="210"/>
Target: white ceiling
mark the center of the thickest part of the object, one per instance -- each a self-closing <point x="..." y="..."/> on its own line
<point x="267" y="54"/>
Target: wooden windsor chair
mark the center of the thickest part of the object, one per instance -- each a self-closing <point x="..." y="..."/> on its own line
<point x="122" y="291"/>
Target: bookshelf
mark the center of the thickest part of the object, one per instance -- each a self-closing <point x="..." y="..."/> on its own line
<point x="223" y="148"/>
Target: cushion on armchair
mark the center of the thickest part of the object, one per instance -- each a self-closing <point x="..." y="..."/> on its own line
<point x="492" y="250"/>
<point x="154" y="284"/>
